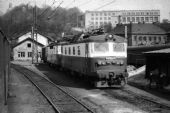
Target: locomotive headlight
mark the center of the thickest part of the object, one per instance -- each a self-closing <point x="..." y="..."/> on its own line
<point x="103" y="63"/>
<point x="117" y="62"/>
<point x="121" y="62"/>
<point x="113" y="62"/>
<point x="108" y="62"/>
<point x="99" y="63"/>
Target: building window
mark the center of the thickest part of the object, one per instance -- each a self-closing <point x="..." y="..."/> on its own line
<point x="156" y="13"/>
<point x="100" y="18"/>
<point x="137" y="13"/>
<point x="124" y="19"/>
<point x="147" y="13"/>
<point x="156" y="19"/>
<point x="21" y="54"/>
<point x="29" y="45"/>
<point x="135" y="38"/>
<point x="105" y="18"/>
<point x="96" y="14"/>
<point x="78" y="50"/>
<point x="128" y="19"/>
<point x="100" y="14"/>
<point x="142" y="19"/>
<point x="133" y="19"/>
<point x="51" y="47"/>
<point x="105" y="14"/>
<point x="109" y="18"/>
<point x="101" y="23"/>
<point x="113" y="14"/>
<point x="140" y="38"/>
<point x="155" y="38"/>
<point x="73" y="50"/>
<point x="137" y="19"/>
<point x="159" y="38"/>
<point x="29" y="54"/>
<point x="147" y="19"/>
<point x="92" y="18"/>
<point x="150" y="38"/>
<point x="92" y="14"/>
<point x="151" y="19"/>
<point x="144" y="38"/>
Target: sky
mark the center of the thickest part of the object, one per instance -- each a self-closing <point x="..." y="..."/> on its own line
<point x="83" y="5"/>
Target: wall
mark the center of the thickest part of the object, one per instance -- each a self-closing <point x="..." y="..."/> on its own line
<point x="150" y="40"/>
<point x="23" y="48"/>
<point x="41" y="39"/>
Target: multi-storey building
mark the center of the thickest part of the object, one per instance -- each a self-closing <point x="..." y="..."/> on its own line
<point x="96" y="19"/>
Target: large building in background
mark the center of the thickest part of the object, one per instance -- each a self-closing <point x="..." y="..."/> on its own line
<point x="96" y="19"/>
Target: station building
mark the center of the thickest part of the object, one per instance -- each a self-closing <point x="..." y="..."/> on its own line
<point x="27" y="48"/>
<point x="96" y="19"/>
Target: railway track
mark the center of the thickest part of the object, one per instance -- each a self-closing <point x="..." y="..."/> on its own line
<point x="61" y="100"/>
<point x="143" y="102"/>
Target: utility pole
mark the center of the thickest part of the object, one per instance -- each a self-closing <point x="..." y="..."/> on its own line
<point x="34" y="33"/>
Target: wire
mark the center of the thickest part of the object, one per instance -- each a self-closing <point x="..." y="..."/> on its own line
<point x="67" y="6"/>
<point x="85" y="3"/>
<point x="105" y="4"/>
<point x="52" y="14"/>
<point x="47" y="8"/>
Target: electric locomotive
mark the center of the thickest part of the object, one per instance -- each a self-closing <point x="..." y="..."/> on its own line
<point x="100" y="59"/>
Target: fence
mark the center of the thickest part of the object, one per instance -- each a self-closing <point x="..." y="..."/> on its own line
<point x="4" y="67"/>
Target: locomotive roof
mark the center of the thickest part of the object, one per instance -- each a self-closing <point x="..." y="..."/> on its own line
<point x="101" y="38"/>
<point x="92" y="38"/>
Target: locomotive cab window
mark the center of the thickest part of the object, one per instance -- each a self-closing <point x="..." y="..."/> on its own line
<point x="119" y="47"/>
<point x="101" y="47"/>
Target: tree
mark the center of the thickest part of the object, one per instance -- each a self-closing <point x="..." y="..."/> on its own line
<point x="20" y="19"/>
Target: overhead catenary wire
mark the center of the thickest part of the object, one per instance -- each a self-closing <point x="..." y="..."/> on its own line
<point x="52" y="14"/>
<point x="67" y="6"/>
<point x="105" y="5"/>
<point x="85" y="3"/>
<point x="45" y="10"/>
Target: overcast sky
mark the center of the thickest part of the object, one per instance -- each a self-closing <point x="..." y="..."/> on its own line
<point x="83" y="5"/>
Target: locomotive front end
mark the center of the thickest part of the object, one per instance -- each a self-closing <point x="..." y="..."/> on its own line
<point x="110" y="61"/>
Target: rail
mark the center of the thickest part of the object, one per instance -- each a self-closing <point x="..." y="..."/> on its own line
<point x="44" y="86"/>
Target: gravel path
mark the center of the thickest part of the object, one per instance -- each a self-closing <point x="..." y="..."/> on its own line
<point x="24" y="97"/>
